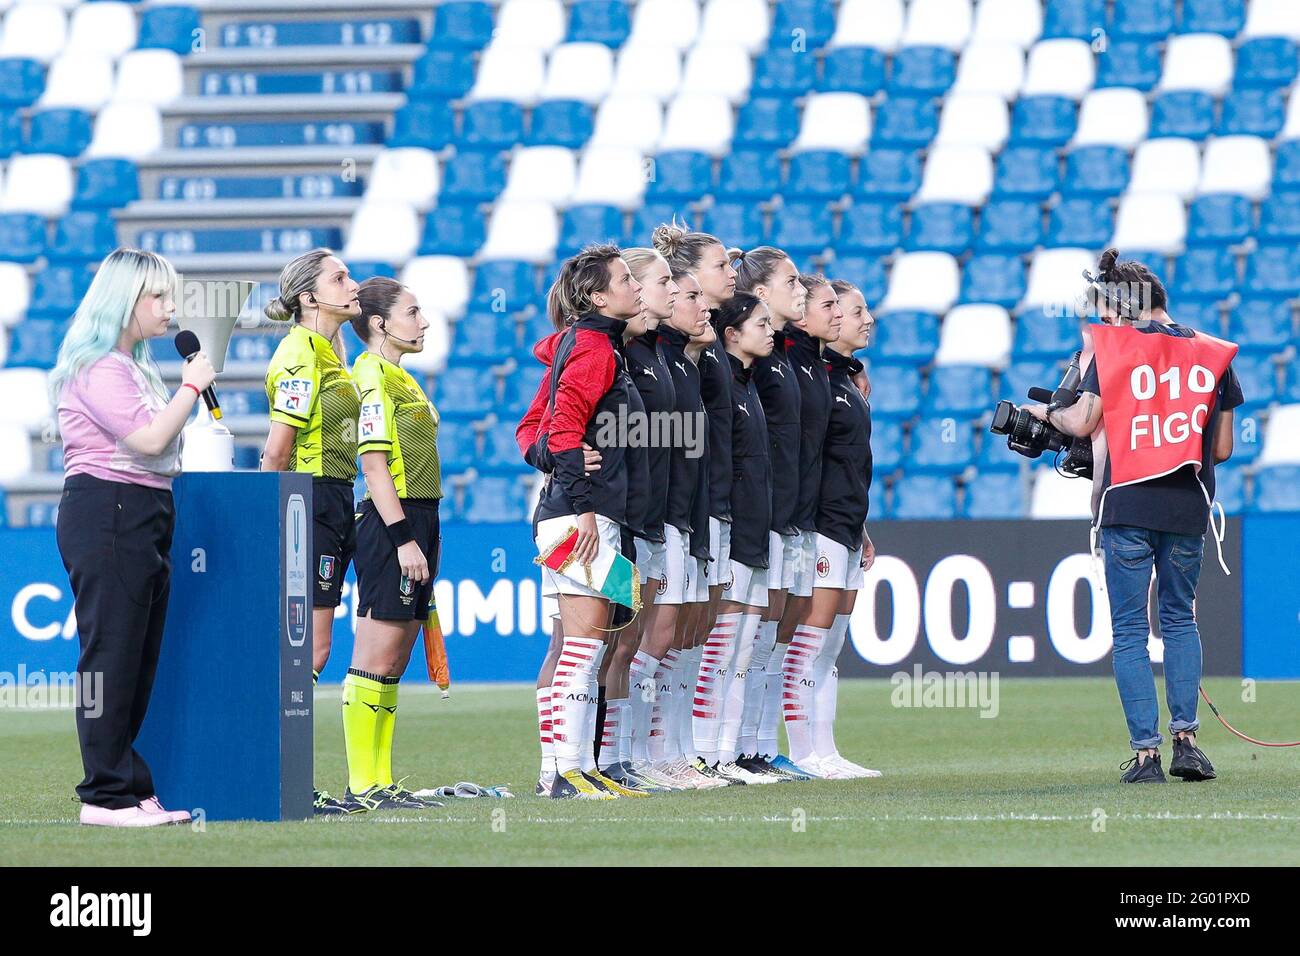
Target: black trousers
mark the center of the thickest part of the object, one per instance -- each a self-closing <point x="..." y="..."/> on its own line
<point x="115" y="540"/>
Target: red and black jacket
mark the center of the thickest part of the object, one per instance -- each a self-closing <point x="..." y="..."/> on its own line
<point x="751" y="469"/>
<point x="775" y="377"/>
<point x="654" y="383"/>
<point x="805" y="354"/>
<point x="715" y="388"/>
<point x="846" y="456"/>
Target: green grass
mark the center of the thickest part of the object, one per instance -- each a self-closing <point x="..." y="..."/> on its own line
<point x="1026" y="787"/>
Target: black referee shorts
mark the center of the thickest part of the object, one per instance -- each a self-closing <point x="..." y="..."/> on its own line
<point x="335" y="538"/>
<point x="383" y="591"/>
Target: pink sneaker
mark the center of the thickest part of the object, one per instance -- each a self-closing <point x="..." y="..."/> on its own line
<point x="135" y="816"/>
<point x="153" y="805"/>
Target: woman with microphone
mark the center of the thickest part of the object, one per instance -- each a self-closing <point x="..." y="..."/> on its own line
<point x="121" y="449"/>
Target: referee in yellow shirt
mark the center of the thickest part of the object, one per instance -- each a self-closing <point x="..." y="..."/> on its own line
<point x="398" y="538"/>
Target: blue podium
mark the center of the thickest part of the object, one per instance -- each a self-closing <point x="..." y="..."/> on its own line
<point x="229" y="729"/>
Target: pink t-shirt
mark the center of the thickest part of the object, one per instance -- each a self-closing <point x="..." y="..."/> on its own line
<point x="98" y="409"/>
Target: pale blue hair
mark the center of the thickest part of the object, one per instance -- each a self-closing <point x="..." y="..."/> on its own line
<point x="123" y="277"/>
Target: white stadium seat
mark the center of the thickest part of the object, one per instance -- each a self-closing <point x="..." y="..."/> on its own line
<point x="15" y="293"/>
<point x="441" y="283"/>
<point x="1061" y="67"/>
<point x="991" y="67"/>
<point x="129" y="130"/>
<point x="924" y="281"/>
<point x="1057" y="496"/>
<point x="579" y="71"/>
<point x="945" y="23"/>
<point x="628" y="120"/>
<point x="437" y="343"/>
<point x="1112" y="117"/>
<point x="81" y="80"/>
<point x="407" y="174"/>
<point x="107" y="28"/>
<point x="1198" y="61"/>
<point x="974" y="119"/>
<point x="961" y="174"/>
<point x="1151" y="221"/>
<point x="611" y="176"/>
<point x="546" y="173"/>
<point x="698" y="121"/>
<point x="1237" y="164"/>
<point x="538" y="24"/>
<point x="509" y="73"/>
<point x="1282" y="437"/>
<point x="36" y="31"/>
<point x="149" y="76"/>
<point x="718" y="69"/>
<point x="1014" y="21"/>
<point x="23" y="397"/>
<point x="838" y="121"/>
<point x="527" y="230"/>
<point x="383" y="232"/>
<point x="40" y="183"/>
<point x="1291" y="128"/>
<point x="673" y="23"/>
<point x="1166" y="164"/>
<point x="874" y="23"/>
<point x="745" y="23"/>
<point x="649" y="70"/>
<point x="1272" y="18"/>
<point x="975" y="335"/>
<point x="15" y="443"/>
<point x="1056" y="277"/>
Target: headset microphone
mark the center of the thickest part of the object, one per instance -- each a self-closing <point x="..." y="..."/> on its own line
<point x="332" y="305"/>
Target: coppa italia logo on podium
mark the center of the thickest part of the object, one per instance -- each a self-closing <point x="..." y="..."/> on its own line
<point x="295" y="570"/>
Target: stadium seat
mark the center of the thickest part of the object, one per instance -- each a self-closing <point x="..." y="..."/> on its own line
<point x="443" y="73"/>
<point x="38" y="183"/>
<point x="942" y="445"/>
<point x="491" y="125"/>
<point x="1024" y="374"/>
<point x="1143" y="19"/>
<point x="1186" y="113"/>
<point x="853" y="69"/>
<point x="869" y="23"/>
<point x="958" y="390"/>
<point x="579" y="71"/>
<point x="680" y="175"/>
<point x="1056" y="496"/>
<point x="408" y="175"/>
<point x="650" y="215"/>
<point x="493" y="499"/>
<point x="745" y="23"/>
<point x="945" y="23"/>
<point x="649" y="71"/>
<point x="530" y="23"/>
<point x="801" y="228"/>
<point x="922" y="71"/>
<point x="1253" y="113"/>
<point x="149" y="76"/>
<point x="599" y="21"/>
<point x="1287" y="176"/>
<point x="1273" y="270"/>
<point x="886" y="444"/>
<point x="22" y="237"/>
<point x="923" y="497"/>
<point x="440" y="282"/>
<point x="106" y="184"/>
<point x="547" y="173"/>
<point x="995" y="67"/>
<point x="63" y="132"/>
<point x="1112" y="117"/>
<point x="995" y="457"/>
<point x="15" y="293"/>
<point x="83" y="80"/>
<point x="22" y="80"/>
<point x="457" y="441"/>
<point x="906" y="336"/>
<point x="1258" y="376"/>
<point x="668" y="22"/>
<point x="974" y="119"/>
<point x="1230" y="488"/>
<point x="959" y="174"/>
<point x="525" y="229"/>
<point x="1279" y="217"/>
<point x="704" y="122"/>
<point x="718" y="70"/>
<point x="1225" y="17"/>
<point x="892" y="173"/>
<point x="1282" y="437"/>
<point x="57" y="291"/>
<point x="465" y="390"/>
<point x="1044" y="335"/>
<point x="813" y="20"/>
<point x="37" y="31"/>
<point x="895" y="390"/>
<point x="452" y="229"/>
<point x="1026" y="172"/>
<point x="1019" y="22"/>
<point x="501" y="281"/>
<point x="836" y="121"/>
<point x="172" y="28"/>
<point x="1206" y="273"/>
<point x="1261" y="325"/>
<point x="1131" y="65"/>
<point x="34" y="343"/>
<point x="1166" y="165"/>
<point x="1198" y="61"/>
<point x="1236" y="164"/>
<point x="940" y="227"/>
<point x="466" y="24"/>
<point x="1075" y="222"/>
<point x="428" y="125"/>
<point x="1042" y="121"/>
<point x="766" y="121"/>
<point x="867" y="272"/>
<point x="1277" y="488"/>
<point x="993" y="278"/>
<point x="818" y="174"/>
<point x="749" y="174"/>
<point x="1155" y="221"/>
<point x="129" y="130"/>
<point x="385" y="231"/>
<point x="11" y="133"/>
<point x="564" y="123"/>
<point x="483" y="337"/>
<point x="995" y="495"/>
<point x="1268" y="62"/>
<point x="904" y="121"/>
<point x="1010" y="225"/>
<point x="108" y="29"/>
<point x="586" y="224"/>
<point x="741" y="222"/>
<point x="1055" y="276"/>
<point x="1272" y="18"/>
<point x="15" y="450"/>
<point x="473" y="177"/>
<point x="509" y="73"/>
<point x="1097" y="171"/>
<point x="1203" y="316"/>
<point x="974" y="335"/>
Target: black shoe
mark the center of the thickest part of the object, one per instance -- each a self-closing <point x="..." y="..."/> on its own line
<point x="1143" y="771"/>
<point x="756" y="764"/>
<point x="1189" y="762"/>
<point x="323" y="805"/>
<point x="393" y="797"/>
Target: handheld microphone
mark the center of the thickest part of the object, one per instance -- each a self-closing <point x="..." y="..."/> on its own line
<point x="187" y="344"/>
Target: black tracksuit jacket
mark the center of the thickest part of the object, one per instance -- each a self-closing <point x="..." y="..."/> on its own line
<point x="805" y="354"/>
<point x="775" y="377"/>
<point x="846" y="457"/>
<point x="751" y="470"/>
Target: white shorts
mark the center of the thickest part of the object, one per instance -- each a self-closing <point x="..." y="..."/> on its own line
<point x="678" y="567"/>
<point x="650" y="559"/>
<point x="551" y="529"/>
<point x="697" y="588"/>
<point x="747" y="585"/>
<point x="782" y="559"/>
<point x="837" y="566"/>
<point x="719" y="551"/>
<point x="806" y="546"/>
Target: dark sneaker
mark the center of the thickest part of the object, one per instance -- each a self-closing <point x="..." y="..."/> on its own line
<point x="323" y="805"/>
<point x="397" y="797"/>
<point x="757" y="765"/>
<point x="1189" y="762"/>
<point x="1142" y="771"/>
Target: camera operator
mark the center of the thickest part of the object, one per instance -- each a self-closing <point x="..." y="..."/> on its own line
<point x="1168" y="398"/>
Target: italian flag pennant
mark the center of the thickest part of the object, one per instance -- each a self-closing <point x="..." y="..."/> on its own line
<point x="610" y="574"/>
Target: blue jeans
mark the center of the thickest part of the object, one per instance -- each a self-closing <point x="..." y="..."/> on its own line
<point x="1129" y="554"/>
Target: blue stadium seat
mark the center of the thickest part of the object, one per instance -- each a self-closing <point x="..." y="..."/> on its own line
<point x="994" y="455"/>
<point x="999" y="279"/>
<point x="818" y="174"/>
<point x="1230" y="487"/>
<point x="1222" y="219"/>
<point x="11" y="133"/>
<point x="244" y="401"/>
<point x="1022" y="375"/>
<point x="1203" y="315"/>
<point x="995" y="495"/>
<point x="496" y="500"/>
<point x="169" y="28"/>
<point x="1278" y="488"/>
<point x="1253" y="112"/>
<point x="940" y="227"/>
<point x="753" y="174"/>
<point x="802" y="228"/>
<point x="907" y="337"/>
<point x="57" y="291"/>
<point x="1041" y="335"/>
<point x="473" y="177"/>
<point x="64" y="132"/>
<point x="106" y="183"/>
<point x="740" y="222"/>
<point x="363" y="270"/>
<point x="566" y="123"/>
<point x="922" y="71"/>
<point x="1143" y="19"/>
<point x="483" y="337"/>
<point x="1279" y="217"/>
<point x="908" y="121"/>
<point x="599" y="21"/>
<point x="878" y="500"/>
<point x="645" y="219"/>
<point x="1225" y="17"/>
<point x="867" y="272"/>
<point x="445" y="74"/>
<point x="1269" y="62"/>
<point x="1184" y="113"/>
<point x="457" y="445"/>
<point x="1261" y="325"/>
<point x="34" y="343"/>
<point x="1258" y="376"/>
<point x="1157" y="262"/>
<point x="22" y="237"/>
<point x="500" y="452"/>
<point x="1286" y="174"/>
<point x="871" y="227"/>
<point x="1042" y="121"/>
<point x="924" y="497"/>
<point x="1206" y="273"/>
<point x="21" y="82"/>
<point x="466" y="24"/>
<point x="813" y="19"/>
<point x="522" y="386"/>
<point x="766" y="121"/>
<point x="886" y="443"/>
<point x="895" y="389"/>
<point x="466" y="390"/>
<point x="428" y="123"/>
<point x="1078" y="19"/>
<point x="584" y="224"/>
<point x="1131" y="64"/>
<point x="452" y="229"/>
<point x="889" y="173"/>
<point x="1010" y="225"/>
<point x="1247" y="439"/>
<point x="680" y="175"/>
<point x="782" y="71"/>
<point x="961" y="390"/>
<point x="1274" y="270"/>
<point x="498" y="278"/>
<point x="1026" y="172"/>
<point x="1100" y="171"/>
<point x="491" y="124"/>
<point x="853" y="69"/>
<point x="1080" y="222"/>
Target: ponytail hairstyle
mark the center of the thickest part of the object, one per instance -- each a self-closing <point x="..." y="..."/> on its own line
<point x="755" y="267"/>
<point x="680" y="246"/>
<point x="813" y="280"/>
<point x="377" y="295"/>
<point x="298" y="276"/>
<point x="581" y="277"/>
<point x="732" y="314"/>
<point x="1124" y="287"/>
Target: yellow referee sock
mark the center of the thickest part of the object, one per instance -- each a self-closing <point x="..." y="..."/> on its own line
<point x="362" y="698"/>
<point x="384" y="737"/>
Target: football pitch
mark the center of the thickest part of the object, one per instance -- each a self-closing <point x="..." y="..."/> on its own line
<point x="1035" y="785"/>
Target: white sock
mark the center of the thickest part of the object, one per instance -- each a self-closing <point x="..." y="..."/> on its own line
<point x="588" y="754"/>
<point x="544" y="730"/>
<point x="662" y="742"/>
<point x="715" y="658"/>
<point x="684" y="701"/>
<point x="575" y="672"/>
<point x="612" y="732"/>
<point x="756" y="687"/>
<point x="800" y="686"/>
<point x="734" y="692"/>
<point x="769" y="720"/>
<point x="824" y="695"/>
<point x="641" y="693"/>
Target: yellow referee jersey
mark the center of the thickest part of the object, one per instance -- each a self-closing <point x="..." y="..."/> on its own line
<point x="399" y="420"/>
<point x="310" y="389"/>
